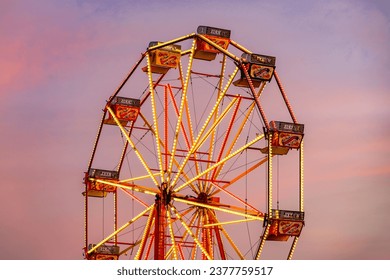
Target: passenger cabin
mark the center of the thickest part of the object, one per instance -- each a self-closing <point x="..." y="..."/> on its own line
<point x="125" y="110"/>
<point x="164" y="58"/>
<point x="259" y="67"/>
<point x="220" y="37"/>
<point x="104" y="252"/>
<point x="99" y="189"/>
<point x="285" y="223"/>
<point x="285" y="136"/>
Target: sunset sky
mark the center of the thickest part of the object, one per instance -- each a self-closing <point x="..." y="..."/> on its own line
<point x="60" y="61"/>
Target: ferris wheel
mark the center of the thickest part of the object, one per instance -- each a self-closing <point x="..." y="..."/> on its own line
<point x="182" y="165"/>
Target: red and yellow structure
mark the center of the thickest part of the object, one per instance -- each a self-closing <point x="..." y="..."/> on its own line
<point x="181" y="179"/>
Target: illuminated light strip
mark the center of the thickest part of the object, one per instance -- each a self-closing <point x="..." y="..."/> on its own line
<point x="145" y="234"/>
<point x="174" y="41"/>
<point x="185" y="232"/>
<point x="284" y="96"/>
<point x="215" y="124"/>
<point x="124" y="132"/>
<point x="161" y="142"/>
<point x="131" y="187"/>
<point x="109" y="101"/>
<point x="150" y="244"/>
<point x="269" y="175"/>
<point x="179" y="119"/>
<point x="261" y="88"/>
<point x="138" y="178"/>
<point x="155" y="120"/>
<point x="293" y="246"/>
<point x="261" y="246"/>
<point x="227" y="134"/>
<point x="209" y="235"/>
<point x="221" y="162"/>
<point x="190" y="127"/>
<point x="166" y="88"/>
<point x="218" y="209"/>
<point x="230" y="222"/>
<point x="172" y="235"/>
<point x="202" y="233"/>
<point x="195" y="248"/>
<point x="301" y="185"/>
<point x="262" y="113"/>
<point x="238" y="46"/>
<point x="96" y="140"/>
<point x="86" y="218"/>
<point x="120" y="229"/>
<point x="169" y="253"/>
<point x="230" y="240"/>
<point x="115" y="196"/>
<point x="218" y="237"/>
<point x="211" y="149"/>
<point x="183" y="129"/>
<point x="218" y="170"/>
<point x="177" y="114"/>
<point x="204" y="127"/>
<point x="191" y="233"/>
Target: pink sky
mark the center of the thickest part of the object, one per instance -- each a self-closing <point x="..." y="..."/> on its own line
<point x="60" y="61"/>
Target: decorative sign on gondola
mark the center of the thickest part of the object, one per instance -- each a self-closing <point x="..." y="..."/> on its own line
<point x="125" y="110"/>
<point x="286" y="134"/>
<point x="164" y="58"/>
<point x="284" y="224"/>
<point x="103" y="174"/>
<point x="104" y="252"/>
<point x="259" y="68"/>
<point x="100" y="189"/>
<point x="220" y="37"/>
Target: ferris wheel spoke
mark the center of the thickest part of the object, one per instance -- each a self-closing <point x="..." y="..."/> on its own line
<point x="124" y="132"/>
<point x="215" y="124"/>
<point x="145" y="234"/>
<point x="128" y="186"/>
<point x="195" y="238"/>
<point x="238" y="132"/>
<point x="154" y="113"/>
<point x="211" y="131"/>
<point x="183" y="129"/>
<point x="212" y="223"/>
<point x="185" y="234"/>
<point x="231" y="222"/>
<point x="163" y="145"/>
<point x="182" y="103"/>
<point x="220" y="162"/>
<point x="137" y="178"/>
<point x="206" y="123"/>
<point x="227" y="236"/>
<point x="227" y="134"/>
<point x="173" y="247"/>
<point x="190" y="138"/>
<point x="120" y="229"/>
<point x="237" y="211"/>
<point x="212" y="140"/>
